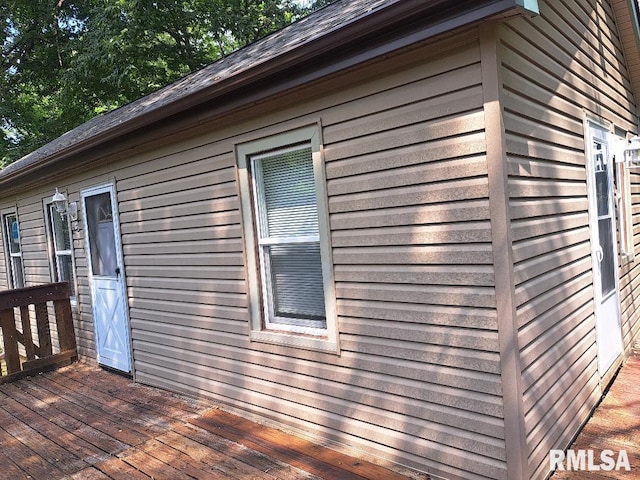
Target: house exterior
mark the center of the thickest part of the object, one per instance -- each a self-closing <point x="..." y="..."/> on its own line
<point x="397" y="227"/>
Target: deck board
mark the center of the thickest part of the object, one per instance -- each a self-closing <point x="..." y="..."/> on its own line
<point x="85" y="423"/>
<point x="46" y="426"/>
<point x="287" y="448"/>
<point x="116" y="468"/>
<point x="231" y="459"/>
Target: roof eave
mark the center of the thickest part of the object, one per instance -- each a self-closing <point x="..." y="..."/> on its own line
<point x="627" y="14"/>
<point x="350" y="34"/>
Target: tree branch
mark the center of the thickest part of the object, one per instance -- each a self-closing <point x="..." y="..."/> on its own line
<point x="56" y="29"/>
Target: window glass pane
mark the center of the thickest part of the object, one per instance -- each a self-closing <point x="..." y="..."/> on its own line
<point x="101" y="235"/>
<point x="65" y="272"/>
<point x="13" y="233"/>
<point x="289" y="194"/>
<point x="60" y="228"/>
<point x="296" y="280"/>
<point x="16" y="270"/>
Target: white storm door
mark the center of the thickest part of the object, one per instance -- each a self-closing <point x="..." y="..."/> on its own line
<point x="604" y="249"/>
<point x="106" y="278"/>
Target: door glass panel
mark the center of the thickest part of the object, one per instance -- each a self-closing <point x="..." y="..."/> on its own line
<point x="607" y="265"/>
<point x="101" y="235"/>
<point x="602" y="179"/>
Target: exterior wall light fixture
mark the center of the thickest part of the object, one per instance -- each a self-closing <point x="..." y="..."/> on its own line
<point x="64" y="208"/>
<point x="632" y="152"/>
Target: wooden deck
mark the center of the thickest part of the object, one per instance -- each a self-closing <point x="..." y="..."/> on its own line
<point x="81" y="422"/>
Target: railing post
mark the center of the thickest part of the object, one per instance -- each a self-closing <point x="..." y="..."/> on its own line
<point x="44" y="332"/>
<point x="10" y="337"/>
<point x="64" y="321"/>
<point x="27" y="339"/>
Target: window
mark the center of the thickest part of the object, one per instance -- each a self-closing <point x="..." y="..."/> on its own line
<point x="60" y="244"/>
<point x="286" y="233"/>
<point x="11" y="232"/>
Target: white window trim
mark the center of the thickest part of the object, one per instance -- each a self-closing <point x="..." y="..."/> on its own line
<point x="53" y="253"/>
<point x="294" y="336"/>
<point x="9" y="264"/>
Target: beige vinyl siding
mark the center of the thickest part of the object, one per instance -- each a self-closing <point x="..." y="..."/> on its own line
<point x="4" y="281"/>
<point x="35" y="259"/>
<point x="630" y="275"/>
<point x="35" y="253"/>
<point x="556" y="67"/>
<point x="83" y="313"/>
<point x="34" y="256"/>
<point x="417" y="380"/>
<point x="33" y="242"/>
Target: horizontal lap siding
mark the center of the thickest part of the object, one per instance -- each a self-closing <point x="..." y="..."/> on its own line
<point x="37" y="269"/>
<point x="417" y="380"/>
<point x="4" y="281"/>
<point x="182" y="245"/>
<point x="630" y="275"/>
<point x="409" y="214"/>
<point x="33" y="241"/>
<point x="556" y="65"/>
<point x="85" y="328"/>
<point x="35" y="258"/>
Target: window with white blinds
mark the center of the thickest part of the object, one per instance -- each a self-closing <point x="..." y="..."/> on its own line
<point x="286" y="233"/>
<point x="288" y="237"/>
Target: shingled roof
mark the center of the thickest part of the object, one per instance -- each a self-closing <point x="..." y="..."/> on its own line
<point x="325" y="30"/>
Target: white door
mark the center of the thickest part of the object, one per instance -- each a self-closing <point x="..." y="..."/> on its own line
<point x="604" y="247"/>
<point x="106" y="277"/>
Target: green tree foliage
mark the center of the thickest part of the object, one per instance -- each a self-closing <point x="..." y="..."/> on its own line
<point x="65" y="61"/>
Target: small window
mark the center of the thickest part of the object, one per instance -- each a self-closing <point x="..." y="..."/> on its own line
<point x="286" y="231"/>
<point x="60" y="246"/>
<point x="13" y="251"/>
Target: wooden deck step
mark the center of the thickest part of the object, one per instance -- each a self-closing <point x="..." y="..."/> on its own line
<point x="305" y="455"/>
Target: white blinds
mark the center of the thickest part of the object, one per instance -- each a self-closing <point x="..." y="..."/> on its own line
<point x="289" y="241"/>
<point x="296" y="279"/>
<point x="289" y="194"/>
